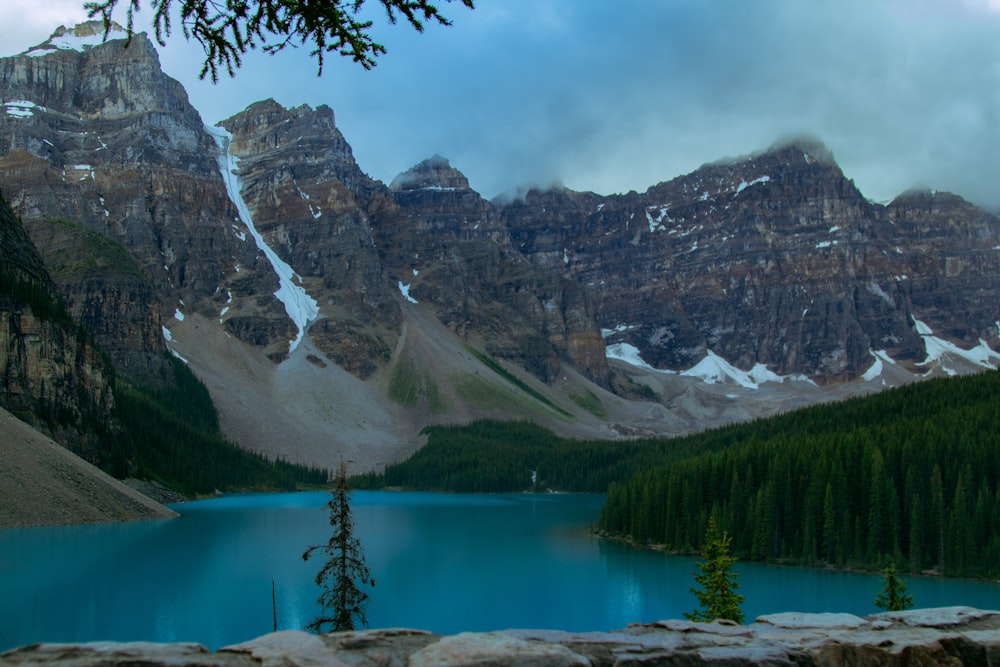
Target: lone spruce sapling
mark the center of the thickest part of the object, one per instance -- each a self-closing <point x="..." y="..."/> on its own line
<point x="893" y="595"/>
<point x="717" y="597"/>
<point x="342" y="600"/>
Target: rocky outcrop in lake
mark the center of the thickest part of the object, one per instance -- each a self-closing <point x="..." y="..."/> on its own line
<point x="948" y="636"/>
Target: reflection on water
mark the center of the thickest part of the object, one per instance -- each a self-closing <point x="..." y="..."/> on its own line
<point x="442" y="562"/>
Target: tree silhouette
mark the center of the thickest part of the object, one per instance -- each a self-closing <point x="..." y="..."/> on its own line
<point x="893" y="595"/>
<point x="227" y="30"/>
<point x="340" y="578"/>
<point x="717" y="596"/>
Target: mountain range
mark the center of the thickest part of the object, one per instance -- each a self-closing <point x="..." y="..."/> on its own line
<point x="332" y="316"/>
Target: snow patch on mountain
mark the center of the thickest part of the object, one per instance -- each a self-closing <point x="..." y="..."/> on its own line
<point x="875" y="289"/>
<point x="301" y="308"/>
<point x="746" y="184"/>
<point x="621" y="328"/>
<point x="656" y="225"/>
<point x="939" y="350"/>
<point x="630" y="355"/>
<point x="21" y="108"/>
<point x="713" y="369"/>
<point x="84" y="36"/>
<point x="874" y="371"/>
<point x="405" y="291"/>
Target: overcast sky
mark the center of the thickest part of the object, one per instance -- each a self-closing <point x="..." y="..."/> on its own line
<point x="617" y="95"/>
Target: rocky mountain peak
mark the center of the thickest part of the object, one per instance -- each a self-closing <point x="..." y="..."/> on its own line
<point x="270" y="113"/>
<point x="80" y="37"/>
<point x="434" y="173"/>
<point x="772" y="262"/>
<point x="930" y="201"/>
<point x="812" y="149"/>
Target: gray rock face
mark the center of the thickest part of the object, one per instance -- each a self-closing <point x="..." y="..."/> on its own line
<point x="310" y="202"/>
<point x="101" y="138"/>
<point x="357" y="244"/>
<point x="463" y="260"/>
<point x="949" y="636"/>
<point x="775" y="259"/>
<point x="49" y="373"/>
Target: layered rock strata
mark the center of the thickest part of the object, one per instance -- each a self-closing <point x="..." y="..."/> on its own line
<point x="50" y="373"/>
<point x="774" y="259"/>
<point x="96" y="136"/>
<point x="451" y="246"/>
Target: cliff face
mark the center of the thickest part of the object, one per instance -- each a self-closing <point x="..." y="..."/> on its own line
<point x="776" y="259"/>
<point x="947" y="259"/>
<point x="310" y="202"/>
<point x="451" y="245"/>
<point x="100" y="138"/>
<point x="51" y="375"/>
<point x="363" y="250"/>
<point x="107" y="293"/>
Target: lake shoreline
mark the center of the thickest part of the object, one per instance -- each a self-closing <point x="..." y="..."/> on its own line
<point x="850" y="569"/>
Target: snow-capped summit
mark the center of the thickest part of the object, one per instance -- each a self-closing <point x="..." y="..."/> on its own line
<point x="78" y="38"/>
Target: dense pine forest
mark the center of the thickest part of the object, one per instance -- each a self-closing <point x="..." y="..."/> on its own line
<point x="496" y="457"/>
<point x="907" y="477"/>
<point x="910" y="476"/>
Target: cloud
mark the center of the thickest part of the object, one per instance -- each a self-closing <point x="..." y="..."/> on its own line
<point x="26" y="23"/>
<point x="617" y="96"/>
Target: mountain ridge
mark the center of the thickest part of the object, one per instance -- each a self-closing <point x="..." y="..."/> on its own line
<point x="433" y="304"/>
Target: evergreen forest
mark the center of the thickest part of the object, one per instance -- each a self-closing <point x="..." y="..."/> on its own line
<point x="908" y="477"/>
<point x="491" y="456"/>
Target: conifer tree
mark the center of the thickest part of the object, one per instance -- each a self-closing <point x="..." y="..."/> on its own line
<point x="342" y="600"/>
<point x="227" y="30"/>
<point x="717" y="596"/>
<point x="893" y="595"/>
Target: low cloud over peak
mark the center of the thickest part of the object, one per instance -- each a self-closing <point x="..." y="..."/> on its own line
<point x="614" y="98"/>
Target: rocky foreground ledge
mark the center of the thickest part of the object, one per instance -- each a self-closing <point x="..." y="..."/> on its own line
<point x="945" y="636"/>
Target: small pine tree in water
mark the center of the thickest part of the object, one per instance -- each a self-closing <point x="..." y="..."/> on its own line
<point x="717" y="597"/>
<point x="342" y="600"/>
<point x="893" y="595"/>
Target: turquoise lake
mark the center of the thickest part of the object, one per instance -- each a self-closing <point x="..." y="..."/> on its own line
<point x="445" y="563"/>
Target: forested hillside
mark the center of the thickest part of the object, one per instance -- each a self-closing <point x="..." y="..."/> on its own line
<point x="496" y="457"/>
<point x="909" y="476"/>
